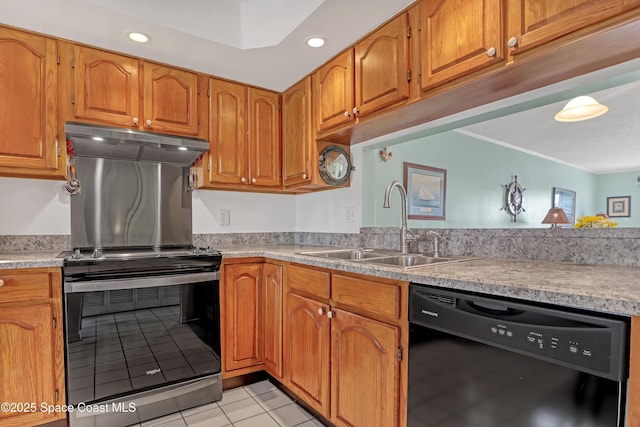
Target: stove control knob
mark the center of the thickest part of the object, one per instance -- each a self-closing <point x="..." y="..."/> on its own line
<point x="97" y="253"/>
<point x="76" y="254"/>
<point x="196" y="250"/>
<point x="209" y="250"/>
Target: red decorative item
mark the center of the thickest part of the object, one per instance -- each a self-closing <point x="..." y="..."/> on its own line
<point x="70" y="150"/>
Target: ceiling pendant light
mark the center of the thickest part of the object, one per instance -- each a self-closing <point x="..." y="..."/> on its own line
<point x="581" y="108"/>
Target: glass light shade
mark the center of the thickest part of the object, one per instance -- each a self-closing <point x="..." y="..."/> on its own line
<point x="581" y="108"/>
<point x="555" y="216"/>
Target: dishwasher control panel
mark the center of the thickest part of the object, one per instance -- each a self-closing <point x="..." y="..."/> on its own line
<point x="577" y="340"/>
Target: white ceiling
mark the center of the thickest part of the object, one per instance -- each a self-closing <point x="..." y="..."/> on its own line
<point x="606" y="144"/>
<point x="258" y="42"/>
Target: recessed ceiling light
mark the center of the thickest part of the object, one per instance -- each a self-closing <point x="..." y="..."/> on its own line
<point x="183" y="148"/>
<point x="315" y="42"/>
<point x="139" y="37"/>
<point x="98" y="138"/>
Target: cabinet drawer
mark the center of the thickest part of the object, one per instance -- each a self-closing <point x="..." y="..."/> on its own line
<point x="26" y="286"/>
<point x="307" y="280"/>
<point x="378" y="298"/>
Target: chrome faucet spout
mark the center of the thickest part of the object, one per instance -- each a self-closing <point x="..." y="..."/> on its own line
<point x="405" y="233"/>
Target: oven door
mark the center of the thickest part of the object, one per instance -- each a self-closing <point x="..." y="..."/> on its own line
<point x="145" y="341"/>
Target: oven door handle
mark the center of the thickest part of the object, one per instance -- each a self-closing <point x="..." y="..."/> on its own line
<point x="136" y="283"/>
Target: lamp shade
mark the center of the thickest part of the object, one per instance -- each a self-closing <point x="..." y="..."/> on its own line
<point x="581" y="108"/>
<point x="555" y="216"/>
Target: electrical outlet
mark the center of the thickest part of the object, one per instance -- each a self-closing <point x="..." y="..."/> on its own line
<point x="351" y="214"/>
<point x="224" y="218"/>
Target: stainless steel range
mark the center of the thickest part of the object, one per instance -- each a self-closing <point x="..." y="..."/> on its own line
<point x="141" y="303"/>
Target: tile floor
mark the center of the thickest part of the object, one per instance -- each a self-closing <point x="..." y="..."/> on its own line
<point x="257" y="405"/>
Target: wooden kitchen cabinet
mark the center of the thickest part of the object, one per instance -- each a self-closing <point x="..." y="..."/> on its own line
<point x="28" y="106"/>
<point x="333" y="92"/>
<point x="272" y="318"/>
<point x="31" y="339"/>
<point x="343" y="340"/>
<point x="532" y="23"/>
<point x="251" y="300"/>
<point x="382" y="71"/>
<point x="298" y="141"/>
<point x="306" y="345"/>
<point x="364" y="371"/>
<point x="119" y="90"/>
<point x="459" y="38"/>
<point x="373" y="75"/>
<point x="245" y="138"/>
<point x="240" y="295"/>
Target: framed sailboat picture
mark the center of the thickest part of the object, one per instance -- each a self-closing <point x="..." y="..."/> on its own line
<point x="426" y="189"/>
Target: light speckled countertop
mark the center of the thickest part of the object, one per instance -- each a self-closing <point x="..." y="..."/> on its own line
<point x="607" y="288"/>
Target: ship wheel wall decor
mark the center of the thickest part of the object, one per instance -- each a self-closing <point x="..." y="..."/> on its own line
<point x="514" y="198"/>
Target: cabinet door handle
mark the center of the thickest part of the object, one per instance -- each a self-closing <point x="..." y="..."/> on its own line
<point x="321" y="311"/>
<point x="253" y="180"/>
<point x="355" y="111"/>
<point x="347" y="114"/>
<point x="243" y="179"/>
<point x="330" y="314"/>
<point x="513" y="41"/>
<point x="491" y="51"/>
<point x="136" y="120"/>
<point x="148" y="122"/>
<point x="304" y="176"/>
<point x="2" y="284"/>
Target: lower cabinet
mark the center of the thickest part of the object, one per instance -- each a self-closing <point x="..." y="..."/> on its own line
<point x="340" y="357"/>
<point x="251" y="317"/>
<point x="31" y="343"/>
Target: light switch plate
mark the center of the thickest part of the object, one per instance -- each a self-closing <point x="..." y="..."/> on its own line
<point x="225" y="217"/>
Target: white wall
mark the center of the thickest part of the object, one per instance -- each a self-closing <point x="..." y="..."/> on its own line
<point x="333" y="211"/>
<point x="33" y="206"/>
<point x="248" y="212"/>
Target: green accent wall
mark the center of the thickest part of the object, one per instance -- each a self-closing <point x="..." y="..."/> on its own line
<point x="477" y="172"/>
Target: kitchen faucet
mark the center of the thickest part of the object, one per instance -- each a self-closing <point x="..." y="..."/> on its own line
<point x="405" y="233"/>
<point x="437" y="237"/>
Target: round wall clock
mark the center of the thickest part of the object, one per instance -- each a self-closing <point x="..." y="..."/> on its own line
<point x="514" y="198"/>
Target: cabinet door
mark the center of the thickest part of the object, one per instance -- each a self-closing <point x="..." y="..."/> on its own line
<point x="106" y="87"/>
<point x="297" y="134"/>
<point x="242" y="345"/>
<point x="272" y="320"/>
<point x="333" y="92"/>
<point x="28" y="79"/>
<point x="364" y="371"/>
<point x="27" y="372"/>
<point x="228" y="134"/>
<point x="382" y="67"/>
<point x="535" y="22"/>
<point x="170" y="100"/>
<point x="307" y="349"/>
<point x="459" y="37"/>
<point x="264" y="138"/>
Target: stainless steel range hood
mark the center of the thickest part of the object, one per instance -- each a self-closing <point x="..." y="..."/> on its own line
<point x="127" y="144"/>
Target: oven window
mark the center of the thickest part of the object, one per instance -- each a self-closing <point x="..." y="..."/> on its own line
<point x="121" y="341"/>
<point x="455" y="382"/>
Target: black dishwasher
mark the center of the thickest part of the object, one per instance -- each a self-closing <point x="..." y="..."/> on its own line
<point x="481" y="361"/>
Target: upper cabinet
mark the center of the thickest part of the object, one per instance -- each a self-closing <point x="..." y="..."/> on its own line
<point x="459" y="38"/>
<point x="28" y="106"/>
<point x="333" y="92"/>
<point x="532" y="23"/>
<point x="245" y="138"/>
<point x="297" y="134"/>
<point x="120" y="90"/>
<point x="373" y="75"/>
<point x="382" y="67"/>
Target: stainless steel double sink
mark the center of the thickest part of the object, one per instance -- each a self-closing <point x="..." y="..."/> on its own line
<point x="388" y="258"/>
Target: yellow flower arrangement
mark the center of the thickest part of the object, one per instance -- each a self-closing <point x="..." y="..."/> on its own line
<point x="595" y="221"/>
